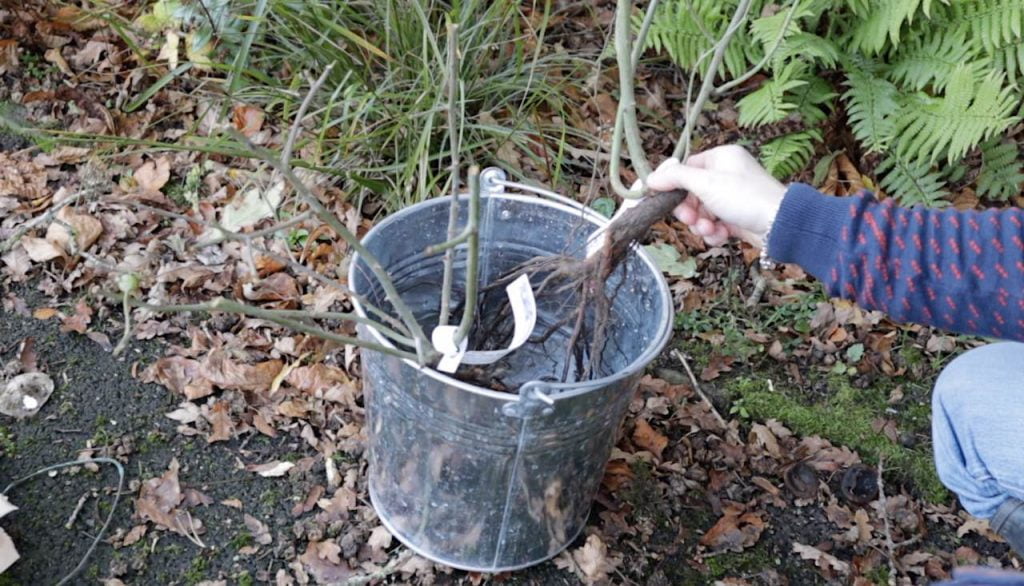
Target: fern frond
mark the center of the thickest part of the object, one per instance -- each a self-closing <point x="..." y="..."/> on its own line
<point x="993" y="23"/>
<point x="871" y="105"/>
<point x="912" y="183"/>
<point x="1009" y="58"/>
<point x="970" y="112"/>
<point x="883" y="21"/>
<point x="1002" y="176"/>
<point x="932" y="59"/>
<point x="677" y="31"/>
<point x="769" y="103"/>
<point x="787" y="155"/>
<point x="814" y="100"/>
<point x="767" y="29"/>
<point x="809" y="47"/>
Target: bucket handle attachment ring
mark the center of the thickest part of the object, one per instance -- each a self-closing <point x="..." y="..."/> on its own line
<point x="534" y="401"/>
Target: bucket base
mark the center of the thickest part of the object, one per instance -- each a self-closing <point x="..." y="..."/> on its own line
<point x="454" y="563"/>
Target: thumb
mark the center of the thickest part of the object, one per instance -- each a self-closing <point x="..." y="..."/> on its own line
<point x="674" y="175"/>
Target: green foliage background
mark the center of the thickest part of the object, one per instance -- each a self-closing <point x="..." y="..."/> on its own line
<point x="923" y="83"/>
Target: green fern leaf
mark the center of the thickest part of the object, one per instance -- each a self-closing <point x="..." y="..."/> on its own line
<point x="1009" y="58"/>
<point x="679" y="27"/>
<point x="912" y="183"/>
<point x="883" y="21"/>
<point x="769" y="103"/>
<point x="814" y="100"/>
<point x="993" y="23"/>
<point x="787" y="155"/>
<point x="809" y="47"/>
<point x="932" y="59"/>
<point x="1001" y="174"/>
<point x="871" y="105"/>
<point x="971" y="111"/>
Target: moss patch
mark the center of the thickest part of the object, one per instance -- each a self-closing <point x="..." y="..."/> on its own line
<point x="844" y="418"/>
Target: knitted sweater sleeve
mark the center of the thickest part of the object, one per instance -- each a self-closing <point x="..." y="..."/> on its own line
<point x="958" y="270"/>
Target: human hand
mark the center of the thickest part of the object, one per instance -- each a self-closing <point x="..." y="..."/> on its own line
<point x="730" y="194"/>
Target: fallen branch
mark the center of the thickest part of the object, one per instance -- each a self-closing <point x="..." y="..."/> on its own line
<point x="732" y="435"/>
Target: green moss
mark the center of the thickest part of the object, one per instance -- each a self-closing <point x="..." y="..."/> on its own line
<point x="245" y="579"/>
<point x="844" y="418"/>
<point x="197" y="571"/>
<point x="241" y="540"/>
<point x="745" y="563"/>
<point x="7" y="445"/>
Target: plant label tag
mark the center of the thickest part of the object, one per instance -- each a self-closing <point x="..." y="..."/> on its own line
<point x="524" y="313"/>
<point x="443" y="339"/>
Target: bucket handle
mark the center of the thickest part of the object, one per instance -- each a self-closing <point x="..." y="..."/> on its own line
<point x="533" y="401"/>
<point x="494" y="180"/>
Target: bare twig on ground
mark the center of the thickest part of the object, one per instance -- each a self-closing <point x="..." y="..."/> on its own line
<point x="733" y="436"/>
<point x="382" y="573"/>
<point x="760" y="284"/>
<point x="883" y="503"/>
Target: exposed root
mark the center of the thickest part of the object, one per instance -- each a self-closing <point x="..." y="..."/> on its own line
<point x="585" y="281"/>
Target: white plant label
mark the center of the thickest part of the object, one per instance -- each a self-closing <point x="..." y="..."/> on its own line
<point x="524" y="313"/>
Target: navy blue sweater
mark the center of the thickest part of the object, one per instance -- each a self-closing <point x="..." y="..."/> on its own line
<point x="958" y="270"/>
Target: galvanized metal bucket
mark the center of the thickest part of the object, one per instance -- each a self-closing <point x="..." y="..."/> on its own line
<point x="484" y="480"/>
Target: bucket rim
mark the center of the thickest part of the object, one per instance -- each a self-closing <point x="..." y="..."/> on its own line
<point x="555" y="390"/>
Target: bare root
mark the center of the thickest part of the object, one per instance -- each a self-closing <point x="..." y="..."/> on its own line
<point x="585" y="280"/>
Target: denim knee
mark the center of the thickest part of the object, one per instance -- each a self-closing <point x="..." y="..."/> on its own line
<point x="977" y="404"/>
<point x="964" y="389"/>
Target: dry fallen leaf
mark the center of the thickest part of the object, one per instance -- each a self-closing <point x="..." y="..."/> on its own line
<point x="180" y="375"/>
<point x="592" y="560"/>
<point x="826" y="562"/>
<point x="247" y="119"/>
<point x="271" y="469"/>
<point x="765" y="438"/>
<point x="86" y="229"/>
<point x="41" y="250"/>
<point x="380" y="539"/>
<point x="79" y="322"/>
<point x="220" y="419"/>
<point x="734" y="531"/>
<point x="44" y="313"/>
<point x="158" y="502"/>
<point x="134" y="535"/>
<point x="259" y="530"/>
<point x="647" y="438"/>
<point x="153" y="175"/>
<point x="321" y="559"/>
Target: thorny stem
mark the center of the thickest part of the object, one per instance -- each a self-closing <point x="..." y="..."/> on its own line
<point x="453" y="142"/>
<point x="272" y="315"/>
<point x="722" y="89"/>
<point x="472" y="256"/>
<point x="682" y="149"/>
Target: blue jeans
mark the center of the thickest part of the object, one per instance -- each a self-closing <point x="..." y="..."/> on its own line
<point x="978" y="427"/>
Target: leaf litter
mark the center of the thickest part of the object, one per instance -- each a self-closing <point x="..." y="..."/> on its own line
<point x="232" y="379"/>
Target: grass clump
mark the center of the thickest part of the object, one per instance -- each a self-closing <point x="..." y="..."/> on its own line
<point x="845" y="420"/>
<point x="381" y="116"/>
